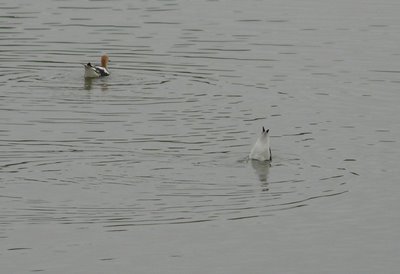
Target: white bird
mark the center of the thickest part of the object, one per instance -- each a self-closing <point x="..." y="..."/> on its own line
<point x="261" y="150"/>
<point x="92" y="71"/>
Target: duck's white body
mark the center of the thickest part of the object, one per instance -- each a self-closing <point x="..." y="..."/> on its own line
<point x="92" y="71"/>
<point x="261" y="150"/>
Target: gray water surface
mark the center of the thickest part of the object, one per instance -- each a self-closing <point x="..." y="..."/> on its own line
<point x="137" y="171"/>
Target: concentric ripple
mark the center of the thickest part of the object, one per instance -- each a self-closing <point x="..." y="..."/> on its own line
<point x="165" y="138"/>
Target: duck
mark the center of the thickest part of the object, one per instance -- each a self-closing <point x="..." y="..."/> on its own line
<point x="261" y="150"/>
<point x="92" y="71"/>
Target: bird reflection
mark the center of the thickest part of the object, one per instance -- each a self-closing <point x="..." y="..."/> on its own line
<point x="90" y="81"/>
<point x="262" y="169"/>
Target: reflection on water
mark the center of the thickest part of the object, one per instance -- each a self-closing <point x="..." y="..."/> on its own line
<point x="262" y="169"/>
<point x="102" y="83"/>
<point x="88" y="83"/>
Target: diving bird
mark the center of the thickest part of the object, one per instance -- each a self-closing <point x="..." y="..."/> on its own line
<point x="261" y="150"/>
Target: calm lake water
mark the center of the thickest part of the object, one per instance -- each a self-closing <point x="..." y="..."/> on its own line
<point x="146" y="171"/>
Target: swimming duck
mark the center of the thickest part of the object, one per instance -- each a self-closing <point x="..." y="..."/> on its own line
<point x="92" y="71"/>
<point x="261" y="150"/>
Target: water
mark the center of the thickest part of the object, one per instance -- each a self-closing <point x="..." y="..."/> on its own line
<point x="148" y="170"/>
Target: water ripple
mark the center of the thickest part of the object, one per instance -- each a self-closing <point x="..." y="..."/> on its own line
<point x="164" y="139"/>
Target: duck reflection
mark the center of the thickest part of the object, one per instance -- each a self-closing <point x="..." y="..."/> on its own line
<point x="262" y="169"/>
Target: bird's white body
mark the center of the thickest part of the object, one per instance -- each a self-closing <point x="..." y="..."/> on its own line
<point x="261" y="150"/>
<point x="92" y="71"/>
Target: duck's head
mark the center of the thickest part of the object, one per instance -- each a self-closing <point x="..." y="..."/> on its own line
<point x="104" y="60"/>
